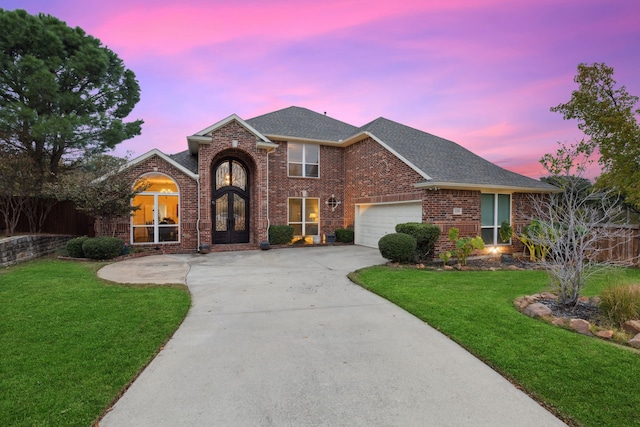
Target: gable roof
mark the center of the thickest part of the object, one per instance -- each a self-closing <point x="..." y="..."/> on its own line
<point x="204" y="136"/>
<point x="169" y="159"/>
<point x="187" y="159"/>
<point x="296" y="123"/>
<point x="445" y="163"/>
<point x="442" y="163"/>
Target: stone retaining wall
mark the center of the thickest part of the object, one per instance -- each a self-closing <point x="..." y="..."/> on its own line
<point x="23" y="248"/>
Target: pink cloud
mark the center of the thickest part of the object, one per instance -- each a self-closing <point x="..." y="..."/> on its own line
<point x="481" y="73"/>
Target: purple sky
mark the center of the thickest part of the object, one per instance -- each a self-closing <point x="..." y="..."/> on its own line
<point x="482" y="73"/>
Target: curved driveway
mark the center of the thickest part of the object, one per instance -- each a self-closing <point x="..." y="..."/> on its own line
<point x="283" y="338"/>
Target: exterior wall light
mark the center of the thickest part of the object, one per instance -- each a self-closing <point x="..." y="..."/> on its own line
<point x="332" y="202"/>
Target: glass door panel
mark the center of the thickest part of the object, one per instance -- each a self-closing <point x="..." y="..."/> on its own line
<point x="222" y="213"/>
<point x="239" y="213"/>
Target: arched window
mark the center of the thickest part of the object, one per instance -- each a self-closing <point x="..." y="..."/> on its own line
<point x="157" y="219"/>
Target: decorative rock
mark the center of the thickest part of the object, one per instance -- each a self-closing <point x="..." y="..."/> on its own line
<point x="607" y="335"/>
<point x="635" y="341"/>
<point x="632" y="327"/>
<point x="581" y="326"/>
<point x="512" y="267"/>
<point x="548" y="295"/>
<point x="521" y="303"/>
<point x="559" y="321"/>
<point x="537" y="310"/>
<point x="448" y="267"/>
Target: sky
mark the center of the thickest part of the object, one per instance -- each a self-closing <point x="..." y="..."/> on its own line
<point x="482" y="73"/>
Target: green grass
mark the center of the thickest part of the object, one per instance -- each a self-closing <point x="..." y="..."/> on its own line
<point x="70" y="343"/>
<point x="583" y="380"/>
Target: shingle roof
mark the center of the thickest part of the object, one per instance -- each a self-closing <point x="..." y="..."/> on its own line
<point x="445" y="161"/>
<point x="186" y="159"/>
<point x="441" y="160"/>
<point x="300" y="122"/>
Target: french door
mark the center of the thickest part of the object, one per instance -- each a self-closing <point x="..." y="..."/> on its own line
<point x="230" y="201"/>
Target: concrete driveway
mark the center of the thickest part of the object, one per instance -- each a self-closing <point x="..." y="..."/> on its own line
<point x="283" y="338"/>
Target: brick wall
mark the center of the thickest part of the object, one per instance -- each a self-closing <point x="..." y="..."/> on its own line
<point x="331" y="182"/>
<point x="438" y="208"/>
<point x="222" y="146"/>
<point x="188" y="189"/>
<point x="374" y="175"/>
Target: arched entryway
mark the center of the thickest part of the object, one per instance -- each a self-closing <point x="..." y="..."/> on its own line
<point x="230" y="201"/>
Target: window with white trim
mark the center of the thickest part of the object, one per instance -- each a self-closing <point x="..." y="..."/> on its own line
<point x="496" y="208"/>
<point x="304" y="160"/>
<point x="157" y="219"/>
<point x="304" y="216"/>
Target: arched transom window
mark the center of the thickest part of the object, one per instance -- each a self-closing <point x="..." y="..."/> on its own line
<point x="157" y="219"/>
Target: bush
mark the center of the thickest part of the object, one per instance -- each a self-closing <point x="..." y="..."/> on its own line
<point x="464" y="245"/>
<point x="102" y="247"/>
<point x="344" y="235"/>
<point x="280" y="234"/>
<point x="398" y="247"/>
<point x="74" y="247"/>
<point x="426" y="236"/>
<point x="621" y="303"/>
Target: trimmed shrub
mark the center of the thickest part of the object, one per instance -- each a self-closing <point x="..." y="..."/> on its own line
<point x="74" y="247"/>
<point x="621" y="303"/>
<point x="102" y="247"/>
<point x="426" y="236"/>
<point x="280" y="234"/>
<point x="344" y="235"/>
<point x="398" y="247"/>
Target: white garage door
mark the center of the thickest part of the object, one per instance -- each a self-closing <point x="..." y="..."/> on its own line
<point x="375" y="220"/>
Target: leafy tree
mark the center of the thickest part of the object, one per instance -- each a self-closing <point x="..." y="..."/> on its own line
<point x="62" y="94"/>
<point x="571" y="224"/>
<point x="607" y="115"/>
<point x="98" y="188"/>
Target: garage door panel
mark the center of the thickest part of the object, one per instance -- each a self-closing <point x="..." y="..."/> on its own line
<point x="376" y="220"/>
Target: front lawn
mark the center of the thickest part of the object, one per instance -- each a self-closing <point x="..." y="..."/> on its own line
<point x="584" y="380"/>
<point x="71" y="342"/>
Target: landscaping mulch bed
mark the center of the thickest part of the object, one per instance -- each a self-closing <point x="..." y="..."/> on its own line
<point x="586" y="310"/>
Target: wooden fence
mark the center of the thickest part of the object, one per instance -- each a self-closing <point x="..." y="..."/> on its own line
<point x="623" y="245"/>
<point x="62" y="219"/>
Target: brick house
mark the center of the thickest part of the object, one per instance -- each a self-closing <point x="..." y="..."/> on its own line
<point x="298" y="167"/>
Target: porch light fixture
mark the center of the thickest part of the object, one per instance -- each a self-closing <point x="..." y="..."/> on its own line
<point x="332" y="202"/>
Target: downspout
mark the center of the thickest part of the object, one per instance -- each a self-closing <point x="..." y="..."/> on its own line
<point x="198" y="220"/>
<point x="268" y="221"/>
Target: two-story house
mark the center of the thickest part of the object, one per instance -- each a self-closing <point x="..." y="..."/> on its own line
<point x="302" y="168"/>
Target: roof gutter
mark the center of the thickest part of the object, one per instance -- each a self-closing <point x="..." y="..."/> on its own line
<point x="480" y="187"/>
